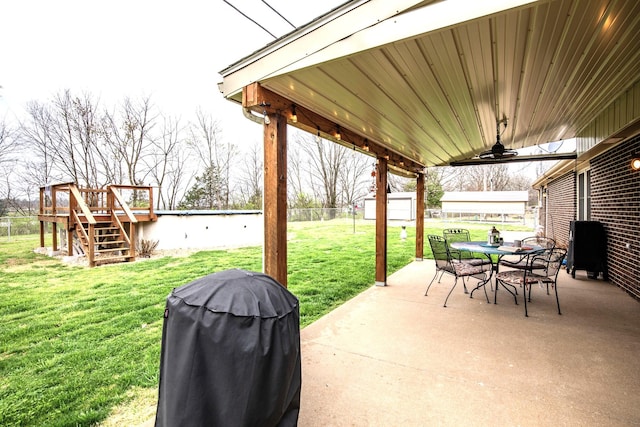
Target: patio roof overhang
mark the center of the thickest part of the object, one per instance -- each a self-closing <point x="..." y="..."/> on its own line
<point x="423" y="83"/>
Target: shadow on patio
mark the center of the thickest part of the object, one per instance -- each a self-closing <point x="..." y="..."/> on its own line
<point x="392" y="356"/>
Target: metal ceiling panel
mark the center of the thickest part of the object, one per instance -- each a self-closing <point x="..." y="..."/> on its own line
<point x="550" y="67"/>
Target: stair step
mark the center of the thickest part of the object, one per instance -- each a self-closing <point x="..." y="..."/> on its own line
<point x="113" y="259"/>
<point x="109" y="250"/>
<point x="106" y="236"/>
<point x="111" y="242"/>
<point x="98" y="234"/>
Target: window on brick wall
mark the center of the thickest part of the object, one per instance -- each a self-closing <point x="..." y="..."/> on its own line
<point x="584" y="196"/>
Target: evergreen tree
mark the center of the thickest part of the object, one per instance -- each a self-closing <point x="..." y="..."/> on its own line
<point x="207" y="192"/>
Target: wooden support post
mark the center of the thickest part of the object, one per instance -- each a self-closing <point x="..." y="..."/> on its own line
<point x="41" y="212"/>
<point x="92" y="245"/>
<point x="420" y="217"/>
<point x="54" y="226"/>
<point x="54" y="237"/>
<point x="381" y="222"/>
<point x="69" y="240"/>
<point x="275" y="198"/>
<point x="132" y="239"/>
<point x="71" y="223"/>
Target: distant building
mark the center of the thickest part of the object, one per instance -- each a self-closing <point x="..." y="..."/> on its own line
<point x="400" y="206"/>
<point x="484" y="203"/>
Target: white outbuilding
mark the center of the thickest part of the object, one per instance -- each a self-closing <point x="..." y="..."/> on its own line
<point x="482" y="203"/>
<point x="400" y="206"/>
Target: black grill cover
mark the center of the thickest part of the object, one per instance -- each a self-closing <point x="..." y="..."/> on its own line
<point x="230" y="353"/>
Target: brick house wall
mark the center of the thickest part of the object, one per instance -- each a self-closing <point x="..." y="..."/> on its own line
<point x="560" y="208"/>
<point x="615" y="201"/>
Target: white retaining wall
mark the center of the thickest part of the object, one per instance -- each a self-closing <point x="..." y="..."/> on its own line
<point x="204" y="229"/>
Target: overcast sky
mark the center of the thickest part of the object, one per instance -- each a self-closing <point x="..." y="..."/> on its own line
<point x="170" y="50"/>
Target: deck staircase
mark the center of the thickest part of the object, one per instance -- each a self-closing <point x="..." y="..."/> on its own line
<point x="101" y="220"/>
<point x="108" y="244"/>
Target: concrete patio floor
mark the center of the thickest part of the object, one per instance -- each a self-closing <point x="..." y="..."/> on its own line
<point x="393" y="357"/>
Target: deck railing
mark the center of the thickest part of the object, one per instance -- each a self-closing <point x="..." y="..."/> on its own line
<point x="59" y="199"/>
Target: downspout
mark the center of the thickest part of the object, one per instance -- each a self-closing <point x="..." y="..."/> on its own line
<point x="249" y="115"/>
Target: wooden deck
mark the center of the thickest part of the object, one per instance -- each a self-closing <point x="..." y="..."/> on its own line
<point x="100" y="223"/>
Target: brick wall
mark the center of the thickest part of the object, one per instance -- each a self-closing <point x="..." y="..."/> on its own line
<point x="560" y="208"/>
<point x="615" y="201"/>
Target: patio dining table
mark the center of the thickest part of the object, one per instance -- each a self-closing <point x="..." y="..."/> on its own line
<point x="507" y="248"/>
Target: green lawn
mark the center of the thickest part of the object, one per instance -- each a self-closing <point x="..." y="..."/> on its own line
<point x="74" y="340"/>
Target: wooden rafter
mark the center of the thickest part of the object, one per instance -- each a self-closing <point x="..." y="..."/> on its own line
<point x="261" y="100"/>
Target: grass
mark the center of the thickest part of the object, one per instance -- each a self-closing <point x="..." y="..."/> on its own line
<point x="75" y="342"/>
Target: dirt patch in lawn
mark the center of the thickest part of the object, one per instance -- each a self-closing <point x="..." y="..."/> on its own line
<point x="138" y="411"/>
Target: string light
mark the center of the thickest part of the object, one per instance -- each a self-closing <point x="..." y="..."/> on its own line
<point x="267" y="120"/>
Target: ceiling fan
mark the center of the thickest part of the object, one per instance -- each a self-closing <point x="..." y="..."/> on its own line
<point x="498" y="151"/>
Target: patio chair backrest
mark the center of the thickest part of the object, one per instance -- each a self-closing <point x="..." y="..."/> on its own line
<point x="552" y="259"/>
<point x="452" y="235"/>
<point x="456" y="235"/>
<point x="545" y="242"/>
<point x="547" y="262"/>
<point x="440" y="251"/>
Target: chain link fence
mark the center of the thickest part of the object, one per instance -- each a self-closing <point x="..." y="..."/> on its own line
<point x="322" y="214"/>
<point x="12" y="226"/>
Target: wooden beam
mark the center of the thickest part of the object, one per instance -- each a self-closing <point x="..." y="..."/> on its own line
<point x="69" y="241"/>
<point x="79" y="201"/>
<point x="275" y="198"/>
<point x="54" y="237"/>
<point x="261" y="100"/>
<point x="381" y="222"/>
<point x="114" y="195"/>
<point x="420" y="217"/>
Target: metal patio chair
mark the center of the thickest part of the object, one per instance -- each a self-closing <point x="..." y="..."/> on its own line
<point x="520" y="262"/>
<point x="542" y="268"/>
<point x="462" y="235"/>
<point x="457" y="267"/>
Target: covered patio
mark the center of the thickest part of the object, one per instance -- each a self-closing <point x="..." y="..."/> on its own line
<point x="392" y="356"/>
<point x="423" y="83"/>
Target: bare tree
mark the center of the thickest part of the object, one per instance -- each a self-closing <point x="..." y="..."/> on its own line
<point x="297" y="184"/>
<point x="216" y="158"/>
<point x="64" y="139"/>
<point x="251" y="182"/>
<point x="353" y="177"/>
<point x="75" y="135"/>
<point x="36" y="133"/>
<point x="7" y="153"/>
<point x="7" y="142"/>
<point x="396" y="182"/>
<point x="480" y="178"/>
<point x="129" y="137"/>
<point x="326" y="159"/>
<point x="168" y="166"/>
